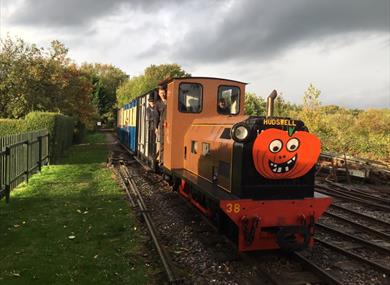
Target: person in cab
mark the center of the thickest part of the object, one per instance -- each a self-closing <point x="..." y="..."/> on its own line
<point x="161" y="107"/>
<point x="222" y="108"/>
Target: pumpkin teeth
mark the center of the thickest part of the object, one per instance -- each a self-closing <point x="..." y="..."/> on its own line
<point x="283" y="167"/>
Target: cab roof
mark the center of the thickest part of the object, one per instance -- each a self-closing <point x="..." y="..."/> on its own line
<point x="169" y="80"/>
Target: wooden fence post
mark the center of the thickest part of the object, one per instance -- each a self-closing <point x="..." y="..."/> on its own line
<point x="27" y="161"/>
<point x="39" y="153"/>
<point x="8" y="173"/>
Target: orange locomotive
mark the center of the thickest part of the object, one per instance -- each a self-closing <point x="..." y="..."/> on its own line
<point x="252" y="176"/>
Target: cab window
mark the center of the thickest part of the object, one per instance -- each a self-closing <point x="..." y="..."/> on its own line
<point x="228" y="102"/>
<point x="190" y="98"/>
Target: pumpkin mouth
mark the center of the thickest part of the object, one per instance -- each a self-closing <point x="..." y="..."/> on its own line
<point x="283" y="167"/>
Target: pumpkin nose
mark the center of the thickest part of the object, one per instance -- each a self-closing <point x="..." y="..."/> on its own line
<point x="282" y="156"/>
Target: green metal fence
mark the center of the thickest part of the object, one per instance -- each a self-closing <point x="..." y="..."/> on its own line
<point x="21" y="156"/>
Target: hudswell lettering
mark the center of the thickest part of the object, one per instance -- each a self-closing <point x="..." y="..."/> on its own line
<point x="279" y="122"/>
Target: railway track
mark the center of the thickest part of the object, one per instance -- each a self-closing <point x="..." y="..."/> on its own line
<point x="374" y="196"/>
<point x="368" y="243"/>
<point x="358" y="225"/>
<point x="328" y="278"/>
<point x="367" y="201"/>
<point x="375" y="255"/>
<point x="305" y="271"/>
<point x="354" y="244"/>
<point x="349" y="260"/>
<point x="359" y="215"/>
<point x="334" y="245"/>
<point x="362" y="239"/>
<point x="352" y="237"/>
<point x="136" y="200"/>
<point x="304" y="266"/>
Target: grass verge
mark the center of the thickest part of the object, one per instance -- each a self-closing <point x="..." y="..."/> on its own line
<point x="95" y="137"/>
<point x="70" y="224"/>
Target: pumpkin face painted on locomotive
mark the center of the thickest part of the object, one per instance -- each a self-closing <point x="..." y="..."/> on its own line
<point x="252" y="176"/>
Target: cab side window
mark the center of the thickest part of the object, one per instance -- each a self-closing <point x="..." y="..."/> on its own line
<point x="228" y="101"/>
<point x="190" y="97"/>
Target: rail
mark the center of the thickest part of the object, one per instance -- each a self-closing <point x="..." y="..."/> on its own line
<point x="135" y="199"/>
<point x="355" y="256"/>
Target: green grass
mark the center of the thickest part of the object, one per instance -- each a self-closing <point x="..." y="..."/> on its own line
<point x="70" y="224"/>
<point x="94" y="137"/>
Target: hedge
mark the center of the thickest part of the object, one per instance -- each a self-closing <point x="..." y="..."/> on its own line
<point x="12" y="127"/>
<point x="60" y="129"/>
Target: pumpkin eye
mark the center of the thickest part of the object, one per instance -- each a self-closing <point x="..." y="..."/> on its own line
<point x="275" y="146"/>
<point x="292" y="144"/>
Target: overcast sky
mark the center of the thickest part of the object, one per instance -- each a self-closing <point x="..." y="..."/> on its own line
<point x="341" y="46"/>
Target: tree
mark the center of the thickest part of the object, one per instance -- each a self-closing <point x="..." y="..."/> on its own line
<point x="105" y="80"/>
<point x="311" y="112"/>
<point x="16" y="75"/>
<point x="331" y="109"/>
<point x="254" y="105"/>
<point x="373" y="121"/>
<point x="257" y="106"/>
<point x="152" y="76"/>
<point x="38" y="79"/>
<point x="314" y="117"/>
<point x="284" y="108"/>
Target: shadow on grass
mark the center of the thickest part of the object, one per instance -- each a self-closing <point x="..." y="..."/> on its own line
<point x="84" y="154"/>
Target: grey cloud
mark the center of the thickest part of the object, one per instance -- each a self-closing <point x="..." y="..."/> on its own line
<point x="73" y="13"/>
<point x="264" y="28"/>
<point x="61" y="13"/>
<point x="362" y="100"/>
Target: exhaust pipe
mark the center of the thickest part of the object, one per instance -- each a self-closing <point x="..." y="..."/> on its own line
<point x="270" y="103"/>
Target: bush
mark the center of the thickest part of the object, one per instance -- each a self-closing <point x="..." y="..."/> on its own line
<point x="364" y="134"/>
<point x="60" y="129"/>
<point x="12" y="127"/>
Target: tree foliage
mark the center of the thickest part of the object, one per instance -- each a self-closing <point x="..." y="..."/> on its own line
<point x="356" y="132"/>
<point x="36" y="79"/>
<point x="257" y="106"/>
<point x="39" y="79"/>
<point x="254" y="105"/>
<point x="152" y="76"/>
<point x="284" y="108"/>
<point x="312" y="113"/>
<point x="105" y="80"/>
<point x="363" y="133"/>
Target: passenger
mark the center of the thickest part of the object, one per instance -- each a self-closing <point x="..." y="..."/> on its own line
<point x="152" y="118"/>
<point x="162" y="110"/>
<point x="222" y="107"/>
